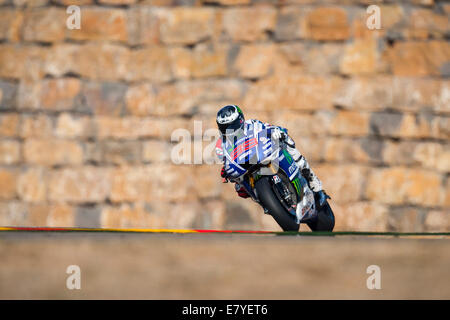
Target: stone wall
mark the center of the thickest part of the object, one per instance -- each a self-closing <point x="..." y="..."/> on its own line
<point x="86" y="115"/>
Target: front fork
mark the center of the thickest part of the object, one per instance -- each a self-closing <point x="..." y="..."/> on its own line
<point x="249" y="185"/>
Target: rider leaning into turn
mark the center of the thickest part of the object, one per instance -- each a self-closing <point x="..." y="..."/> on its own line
<point x="232" y="125"/>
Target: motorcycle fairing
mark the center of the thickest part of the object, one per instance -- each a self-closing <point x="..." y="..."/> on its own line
<point x="255" y="148"/>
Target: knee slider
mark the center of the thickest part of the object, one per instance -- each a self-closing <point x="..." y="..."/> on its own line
<point x="306" y="173"/>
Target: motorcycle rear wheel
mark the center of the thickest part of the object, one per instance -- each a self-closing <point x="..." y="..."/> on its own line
<point x="271" y="202"/>
<point x="325" y="219"/>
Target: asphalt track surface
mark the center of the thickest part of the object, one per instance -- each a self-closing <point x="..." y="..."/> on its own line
<point x="199" y="265"/>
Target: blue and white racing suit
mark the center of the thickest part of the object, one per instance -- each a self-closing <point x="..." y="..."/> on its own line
<point x="256" y="126"/>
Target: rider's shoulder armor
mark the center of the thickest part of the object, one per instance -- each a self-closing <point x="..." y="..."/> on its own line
<point x="258" y="125"/>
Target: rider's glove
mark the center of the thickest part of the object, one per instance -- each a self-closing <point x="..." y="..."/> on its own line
<point x="322" y="197"/>
<point x="241" y="191"/>
<point x="277" y="134"/>
<point x="223" y="174"/>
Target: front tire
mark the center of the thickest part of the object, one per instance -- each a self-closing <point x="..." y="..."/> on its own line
<point x="270" y="201"/>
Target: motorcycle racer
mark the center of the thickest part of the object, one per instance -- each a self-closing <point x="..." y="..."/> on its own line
<point x="233" y="126"/>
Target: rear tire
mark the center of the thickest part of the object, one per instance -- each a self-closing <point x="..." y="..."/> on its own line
<point x="324" y="221"/>
<point x="270" y="201"/>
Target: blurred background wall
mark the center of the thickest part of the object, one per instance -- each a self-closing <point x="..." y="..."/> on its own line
<point x="86" y="115"/>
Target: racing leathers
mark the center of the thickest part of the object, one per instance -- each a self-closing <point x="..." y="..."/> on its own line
<point x="277" y="134"/>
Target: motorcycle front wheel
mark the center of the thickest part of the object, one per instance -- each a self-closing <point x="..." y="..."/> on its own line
<point x="270" y="201"/>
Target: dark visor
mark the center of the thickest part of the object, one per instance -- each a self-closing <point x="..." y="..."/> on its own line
<point x="230" y="128"/>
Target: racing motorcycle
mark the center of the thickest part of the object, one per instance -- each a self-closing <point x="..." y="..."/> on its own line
<point x="272" y="178"/>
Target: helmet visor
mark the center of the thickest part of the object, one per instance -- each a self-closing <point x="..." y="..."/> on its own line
<point x="228" y="129"/>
